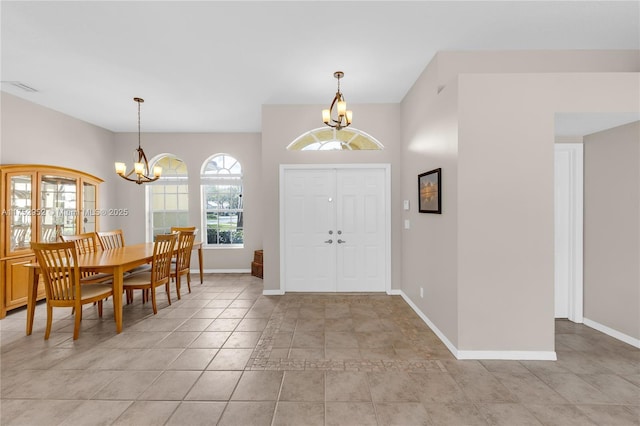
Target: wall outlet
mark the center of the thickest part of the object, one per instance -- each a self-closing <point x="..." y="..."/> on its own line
<point x="421" y="292"/>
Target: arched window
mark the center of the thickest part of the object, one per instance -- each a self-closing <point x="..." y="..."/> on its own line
<point x="326" y="139"/>
<point x="222" y="212"/>
<point x="168" y="197"/>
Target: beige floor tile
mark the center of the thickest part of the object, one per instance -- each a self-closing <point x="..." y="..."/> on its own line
<point x="230" y="359"/>
<point x="308" y="339"/>
<point x="224" y="324"/>
<point x="197" y="413"/>
<point x="193" y="359"/>
<point x="28" y="412"/>
<point x="347" y="386"/>
<point x="615" y="387"/>
<point x="147" y="413"/>
<point x="128" y="385"/>
<point x="575" y="390"/>
<point x="402" y="413"/>
<point x="507" y="415"/>
<point x="619" y="415"/>
<point x="455" y="414"/>
<point x="210" y="339"/>
<point x="392" y="386"/>
<point x="560" y="415"/>
<point x="303" y="386"/>
<point x="178" y="339"/>
<point x="248" y="414"/>
<point x="350" y="413"/>
<point x="170" y="386"/>
<point x="258" y="386"/>
<point x="214" y="386"/>
<point x="91" y="413"/>
<point x="299" y="413"/>
<point x="242" y="340"/>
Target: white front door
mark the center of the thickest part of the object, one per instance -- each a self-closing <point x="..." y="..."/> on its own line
<point x="334" y="229"/>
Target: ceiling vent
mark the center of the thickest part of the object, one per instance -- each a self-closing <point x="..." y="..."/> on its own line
<point x="21" y="85"/>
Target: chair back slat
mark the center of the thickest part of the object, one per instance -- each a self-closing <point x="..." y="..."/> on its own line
<point x="85" y="243"/>
<point x="111" y="239"/>
<point x="59" y="266"/>
<point x="185" y="245"/>
<point x="162" y="254"/>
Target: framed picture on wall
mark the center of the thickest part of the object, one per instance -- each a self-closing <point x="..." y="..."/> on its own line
<point x="430" y="192"/>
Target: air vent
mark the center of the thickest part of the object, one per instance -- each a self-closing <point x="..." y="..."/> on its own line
<point x="21" y="85"/>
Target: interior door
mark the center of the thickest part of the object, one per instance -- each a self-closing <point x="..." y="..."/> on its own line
<point x="334" y="230"/>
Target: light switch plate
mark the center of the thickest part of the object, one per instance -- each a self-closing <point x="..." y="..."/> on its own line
<point x="407" y="225"/>
<point x="406" y="204"/>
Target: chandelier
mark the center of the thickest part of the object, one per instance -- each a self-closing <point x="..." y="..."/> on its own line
<point x="344" y="117"/>
<point x="141" y="166"/>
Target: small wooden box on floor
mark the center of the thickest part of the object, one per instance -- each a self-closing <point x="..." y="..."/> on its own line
<point x="256" y="265"/>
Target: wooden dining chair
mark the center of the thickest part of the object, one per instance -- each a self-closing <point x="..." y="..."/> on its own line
<point x="88" y="243"/>
<point x="59" y="267"/>
<point x="160" y="270"/>
<point x="182" y="264"/>
<point x="111" y="239"/>
<point x="183" y="228"/>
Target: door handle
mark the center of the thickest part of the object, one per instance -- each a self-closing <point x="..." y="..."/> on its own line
<point x="329" y="241"/>
<point x="341" y="241"/>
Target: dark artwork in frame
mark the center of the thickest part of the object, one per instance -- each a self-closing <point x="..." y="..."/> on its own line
<point x="430" y="192"/>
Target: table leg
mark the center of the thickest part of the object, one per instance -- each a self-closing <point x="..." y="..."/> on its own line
<point x="32" y="296"/>
<point x="118" y="274"/>
<point x="200" y="264"/>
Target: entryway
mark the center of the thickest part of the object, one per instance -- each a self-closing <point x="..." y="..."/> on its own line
<point x="334" y="228"/>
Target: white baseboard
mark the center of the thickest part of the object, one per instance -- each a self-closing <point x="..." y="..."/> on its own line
<point x="222" y="271"/>
<point x="462" y="354"/>
<point x="509" y="355"/>
<point x="613" y="333"/>
<point x="431" y="325"/>
<point x="277" y="292"/>
<point x="395" y="292"/>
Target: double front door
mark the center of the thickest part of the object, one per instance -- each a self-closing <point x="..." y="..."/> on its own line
<point x="335" y="229"/>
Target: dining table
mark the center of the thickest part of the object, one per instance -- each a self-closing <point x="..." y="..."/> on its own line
<point x="115" y="261"/>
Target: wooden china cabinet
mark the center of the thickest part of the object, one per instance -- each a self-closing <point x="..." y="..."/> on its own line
<point x="39" y="203"/>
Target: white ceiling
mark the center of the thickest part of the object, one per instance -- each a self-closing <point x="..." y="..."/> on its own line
<point x="209" y="66"/>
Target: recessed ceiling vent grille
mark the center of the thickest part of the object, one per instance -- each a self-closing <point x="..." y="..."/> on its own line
<point x="21" y="85"/>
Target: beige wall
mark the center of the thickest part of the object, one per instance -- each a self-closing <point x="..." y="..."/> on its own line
<point x="429" y="253"/>
<point x="194" y="149"/>
<point x="489" y="257"/>
<point x="612" y="228"/>
<point x="281" y="125"/>
<point x="32" y="134"/>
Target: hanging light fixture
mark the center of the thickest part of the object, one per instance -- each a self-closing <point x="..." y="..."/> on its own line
<point x="344" y="116"/>
<point x="141" y="165"/>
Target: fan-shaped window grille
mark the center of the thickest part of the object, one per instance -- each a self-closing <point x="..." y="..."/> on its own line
<point x="326" y="139"/>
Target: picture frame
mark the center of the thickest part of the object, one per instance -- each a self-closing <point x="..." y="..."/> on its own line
<point x="430" y="191"/>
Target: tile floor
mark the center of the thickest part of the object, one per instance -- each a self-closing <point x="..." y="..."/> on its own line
<point x="227" y="355"/>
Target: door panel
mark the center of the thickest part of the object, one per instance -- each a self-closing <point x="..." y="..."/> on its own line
<point x="360" y="260"/>
<point x="309" y="215"/>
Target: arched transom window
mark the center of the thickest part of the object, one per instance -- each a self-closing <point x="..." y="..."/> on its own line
<point x="222" y="211"/>
<point x="168" y="197"/>
<point x="326" y="139"/>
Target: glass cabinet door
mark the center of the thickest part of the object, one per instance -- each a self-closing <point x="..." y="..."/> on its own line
<point x="20" y="212"/>
<point x="88" y="207"/>
<point x="59" y="208"/>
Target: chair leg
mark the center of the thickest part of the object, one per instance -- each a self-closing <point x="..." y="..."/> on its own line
<point x="49" y="321"/>
<point x="167" y="289"/>
<point x="76" y="324"/>
<point x="189" y="281"/>
<point x="178" y="285"/>
<point x="153" y="300"/>
<point x="100" y="308"/>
